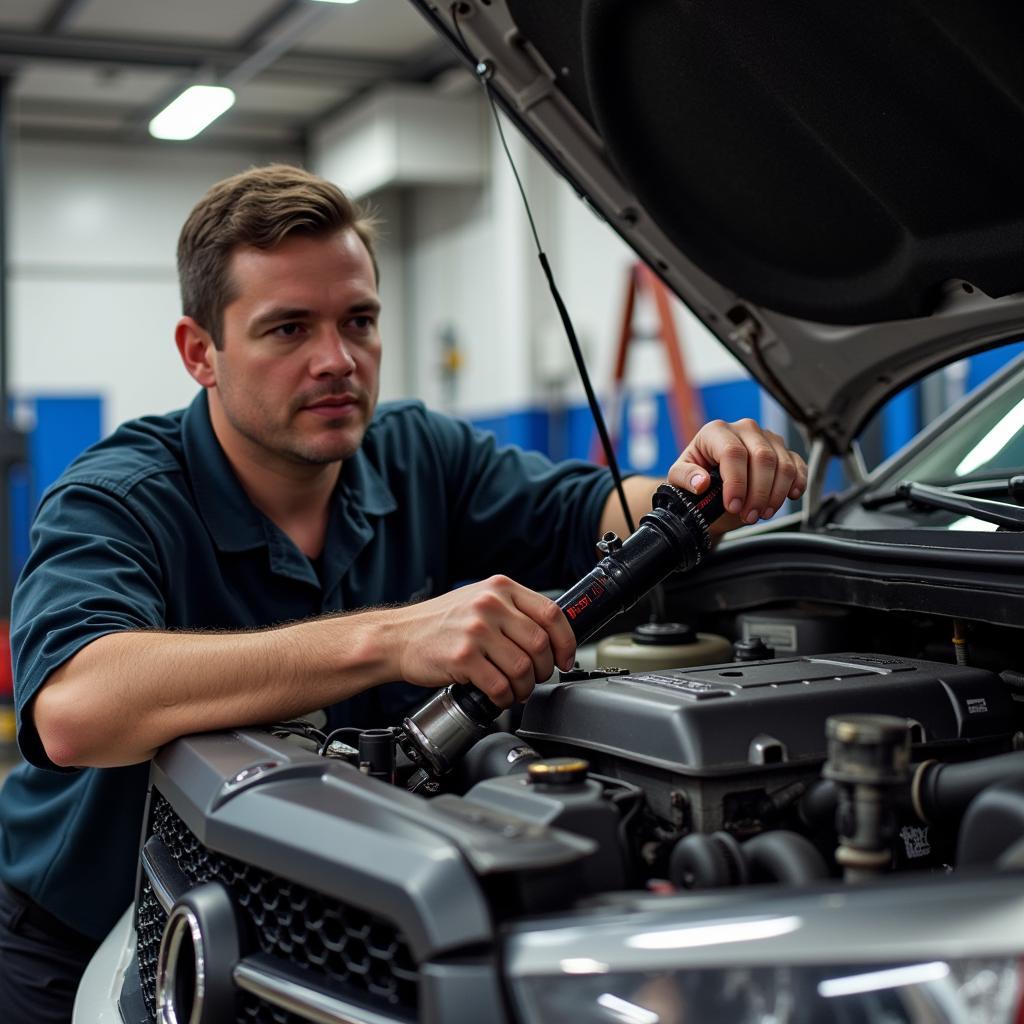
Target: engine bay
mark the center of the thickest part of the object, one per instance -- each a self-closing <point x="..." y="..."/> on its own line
<point x="663" y="792"/>
<point x="787" y="769"/>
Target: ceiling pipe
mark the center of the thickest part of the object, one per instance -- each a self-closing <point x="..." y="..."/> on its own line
<point x="276" y="45"/>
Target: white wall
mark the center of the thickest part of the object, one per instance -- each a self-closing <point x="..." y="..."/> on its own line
<point x="471" y="265"/>
<point x="92" y="289"/>
<point x="468" y="272"/>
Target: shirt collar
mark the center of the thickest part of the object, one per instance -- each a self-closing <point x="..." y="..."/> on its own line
<point x="233" y="521"/>
<point x="364" y="487"/>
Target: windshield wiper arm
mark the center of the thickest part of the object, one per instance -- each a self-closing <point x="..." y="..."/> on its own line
<point x="1002" y="513"/>
<point x="1012" y="488"/>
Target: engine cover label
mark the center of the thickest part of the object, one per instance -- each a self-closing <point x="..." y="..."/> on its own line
<point x="915" y="841"/>
<point x="695" y="689"/>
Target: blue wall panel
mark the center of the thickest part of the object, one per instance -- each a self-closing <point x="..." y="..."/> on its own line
<point x="64" y="427"/>
<point x="570" y="432"/>
<point x="527" y="428"/>
<point x="983" y="365"/>
<point x="901" y="420"/>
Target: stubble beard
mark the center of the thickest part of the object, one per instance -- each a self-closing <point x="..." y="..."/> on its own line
<point x="287" y="442"/>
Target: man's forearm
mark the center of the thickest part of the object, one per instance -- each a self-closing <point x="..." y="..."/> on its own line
<point x="126" y="694"/>
<point x="122" y="697"/>
<point x="639" y="490"/>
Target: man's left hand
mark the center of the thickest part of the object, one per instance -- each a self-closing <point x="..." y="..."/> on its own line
<point x="758" y="471"/>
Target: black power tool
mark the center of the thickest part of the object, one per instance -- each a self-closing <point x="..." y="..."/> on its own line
<point x="673" y="537"/>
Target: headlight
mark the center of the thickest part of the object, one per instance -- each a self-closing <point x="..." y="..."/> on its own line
<point x="935" y="992"/>
<point x="909" y="952"/>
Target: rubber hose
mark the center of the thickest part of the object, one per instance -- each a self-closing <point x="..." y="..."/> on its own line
<point x="993" y="826"/>
<point x="946" y="789"/>
<point x="818" y="806"/>
<point x="1014" y="680"/>
<point x="495" y="756"/>
<point x="700" y="861"/>
<point x="785" y="857"/>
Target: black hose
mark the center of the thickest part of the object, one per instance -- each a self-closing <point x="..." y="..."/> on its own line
<point x="943" y="791"/>
<point x="993" y="826"/>
<point x="495" y="756"/>
<point x="702" y="861"/>
<point x="1014" y="680"/>
<point x="785" y="857"/>
<point x="818" y="806"/>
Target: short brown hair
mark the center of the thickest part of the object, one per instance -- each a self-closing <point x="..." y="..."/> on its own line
<point x="259" y="207"/>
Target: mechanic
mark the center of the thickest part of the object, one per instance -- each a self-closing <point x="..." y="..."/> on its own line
<point x="279" y="546"/>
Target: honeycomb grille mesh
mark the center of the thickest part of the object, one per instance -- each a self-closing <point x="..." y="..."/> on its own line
<point x="149" y="925"/>
<point x="349" y="951"/>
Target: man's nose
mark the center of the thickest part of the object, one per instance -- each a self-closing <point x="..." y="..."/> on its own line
<point x="331" y="357"/>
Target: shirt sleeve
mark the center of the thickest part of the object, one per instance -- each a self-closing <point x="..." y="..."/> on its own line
<point x="516" y="512"/>
<point x="93" y="570"/>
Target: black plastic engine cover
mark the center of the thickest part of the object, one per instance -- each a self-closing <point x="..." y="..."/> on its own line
<point x="727" y="719"/>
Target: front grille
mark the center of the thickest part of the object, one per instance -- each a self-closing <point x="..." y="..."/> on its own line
<point x="358" y="955"/>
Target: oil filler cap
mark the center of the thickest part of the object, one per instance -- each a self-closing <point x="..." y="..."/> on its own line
<point x="752" y="649"/>
<point x="663" y="634"/>
<point x="558" y="771"/>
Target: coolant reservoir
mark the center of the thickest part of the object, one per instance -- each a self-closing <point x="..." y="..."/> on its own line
<point x="654" y="645"/>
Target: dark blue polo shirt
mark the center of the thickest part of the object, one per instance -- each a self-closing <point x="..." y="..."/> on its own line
<point x="150" y="529"/>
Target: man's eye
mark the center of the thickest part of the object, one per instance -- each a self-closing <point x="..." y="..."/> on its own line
<point x="290" y="330"/>
<point x="363" y="323"/>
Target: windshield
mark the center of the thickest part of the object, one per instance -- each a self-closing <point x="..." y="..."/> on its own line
<point x="979" y="446"/>
<point x="985" y="441"/>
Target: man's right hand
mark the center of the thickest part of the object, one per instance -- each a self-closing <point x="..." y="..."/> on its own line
<point x="498" y="635"/>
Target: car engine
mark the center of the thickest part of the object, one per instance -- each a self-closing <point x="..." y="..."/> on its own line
<point x="717" y="757"/>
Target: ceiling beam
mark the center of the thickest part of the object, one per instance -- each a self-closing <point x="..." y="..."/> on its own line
<point x="239" y="141"/>
<point x="145" y="53"/>
<point x="27" y="110"/>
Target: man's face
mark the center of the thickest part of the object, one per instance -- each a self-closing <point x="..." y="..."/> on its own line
<point x="298" y="372"/>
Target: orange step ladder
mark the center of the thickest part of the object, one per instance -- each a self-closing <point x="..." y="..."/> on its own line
<point x="685" y="407"/>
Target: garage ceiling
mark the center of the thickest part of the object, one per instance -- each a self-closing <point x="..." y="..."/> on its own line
<point x="98" y="70"/>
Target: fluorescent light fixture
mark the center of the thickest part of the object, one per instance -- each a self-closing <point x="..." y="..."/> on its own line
<point x="993" y="442"/>
<point x="715" y="934"/>
<point x="186" y="116"/>
<point x="876" y="981"/>
<point x="339" y="1"/>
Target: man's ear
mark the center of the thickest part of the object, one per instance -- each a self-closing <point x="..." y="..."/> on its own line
<point x="196" y="348"/>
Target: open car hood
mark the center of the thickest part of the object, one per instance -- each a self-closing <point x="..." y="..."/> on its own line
<point x="833" y="187"/>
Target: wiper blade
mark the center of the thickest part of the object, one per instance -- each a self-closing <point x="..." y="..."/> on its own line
<point x="1001" y="513"/>
<point x="1012" y="488"/>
